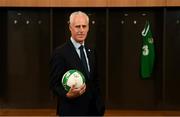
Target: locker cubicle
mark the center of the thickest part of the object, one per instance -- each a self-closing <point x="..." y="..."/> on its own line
<point x="126" y="88"/>
<point x="172" y="56"/>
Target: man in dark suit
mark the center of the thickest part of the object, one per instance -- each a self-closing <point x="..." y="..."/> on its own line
<point x="85" y="100"/>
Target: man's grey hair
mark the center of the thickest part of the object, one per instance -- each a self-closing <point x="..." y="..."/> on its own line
<point x="71" y="18"/>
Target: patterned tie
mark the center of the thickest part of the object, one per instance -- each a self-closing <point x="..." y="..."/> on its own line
<point x="83" y="59"/>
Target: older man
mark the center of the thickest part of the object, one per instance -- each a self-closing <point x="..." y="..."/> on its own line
<point x="86" y="99"/>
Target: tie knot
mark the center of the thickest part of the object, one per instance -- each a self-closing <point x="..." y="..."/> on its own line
<point x="81" y="47"/>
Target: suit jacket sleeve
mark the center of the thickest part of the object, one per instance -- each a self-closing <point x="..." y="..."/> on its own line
<point x="57" y="68"/>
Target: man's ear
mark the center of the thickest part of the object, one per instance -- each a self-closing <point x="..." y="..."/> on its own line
<point x="69" y="27"/>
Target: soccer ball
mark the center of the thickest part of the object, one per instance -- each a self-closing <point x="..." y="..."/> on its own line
<point x="72" y="77"/>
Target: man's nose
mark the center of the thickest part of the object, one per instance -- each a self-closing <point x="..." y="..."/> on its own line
<point x="81" y="28"/>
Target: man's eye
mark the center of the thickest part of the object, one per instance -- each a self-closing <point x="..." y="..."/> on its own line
<point x="78" y="26"/>
<point x="82" y="26"/>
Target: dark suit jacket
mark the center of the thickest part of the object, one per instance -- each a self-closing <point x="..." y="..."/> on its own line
<point x="63" y="59"/>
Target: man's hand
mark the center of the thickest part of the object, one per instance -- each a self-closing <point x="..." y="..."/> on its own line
<point x="76" y="92"/>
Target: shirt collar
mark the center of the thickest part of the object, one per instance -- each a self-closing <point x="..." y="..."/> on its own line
<point x="76" y="44"/>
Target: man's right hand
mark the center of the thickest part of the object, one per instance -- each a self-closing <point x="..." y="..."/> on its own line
<point x="76" y="92"/>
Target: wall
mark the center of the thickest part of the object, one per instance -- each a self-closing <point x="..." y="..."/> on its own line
<point x="29" y="35"/>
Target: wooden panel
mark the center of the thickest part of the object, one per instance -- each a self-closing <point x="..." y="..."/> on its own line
<point x="52" y="112"/>
<point x="78" y="3"/>
<point x="28" y="112"/>
<point x="83" y="3"/>
<point x="2" y="2"/>
<point x="117" y="3"/>
<point x="28" y="3"/>
<point x="68" y="3"/>
<point x="150" y="2"/>
<point x="173" y="2"/>
<point x="98" y="3"/>
<point x="141" y="113"/>
<point x="89" y="3"/>
<point x="127" y="3"/>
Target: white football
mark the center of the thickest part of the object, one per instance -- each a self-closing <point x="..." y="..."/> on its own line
<point x="72" y="77"/>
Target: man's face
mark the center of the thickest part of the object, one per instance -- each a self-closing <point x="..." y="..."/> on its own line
<point x="79" y="28"/>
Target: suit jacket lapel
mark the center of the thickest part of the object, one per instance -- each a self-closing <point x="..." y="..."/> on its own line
<point x="75" y="56"/>
<point x="89" y="55"/>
